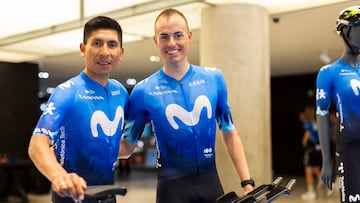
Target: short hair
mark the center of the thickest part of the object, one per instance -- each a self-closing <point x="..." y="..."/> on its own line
<point x="309" y="112"/>
<point x="169" y="12"/>
<point x="101" y="22"/>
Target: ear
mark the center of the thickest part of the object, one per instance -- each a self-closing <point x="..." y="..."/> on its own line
<point x="155" y="40"/>
<point x="121" y="54"/>
<point x="82" y="49"/>
<point x="190" y="35"/>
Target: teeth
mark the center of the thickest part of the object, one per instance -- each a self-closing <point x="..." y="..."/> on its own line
<point x="103" y="63"/>
<point x="173" y="52"/>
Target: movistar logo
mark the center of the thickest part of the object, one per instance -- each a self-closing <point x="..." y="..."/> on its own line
<point x="109" y="127"/>
<point x="66" y="84"/>
<point x="189" y="118"/>
<point x="355" y="85"/>
<point x="49" y="109"/>
<point x="354" y="198"/>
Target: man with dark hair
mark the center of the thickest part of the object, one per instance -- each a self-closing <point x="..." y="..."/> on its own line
<point x="76" y="142"/>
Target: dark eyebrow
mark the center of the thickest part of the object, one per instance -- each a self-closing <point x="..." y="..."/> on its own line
<point x="97" y="39"/>
<point x="114" y="41"/>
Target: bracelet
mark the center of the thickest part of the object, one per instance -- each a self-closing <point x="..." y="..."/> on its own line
<point x="248" y="182"/>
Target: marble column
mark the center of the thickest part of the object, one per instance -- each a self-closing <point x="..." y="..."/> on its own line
<point x="235" y="38"/>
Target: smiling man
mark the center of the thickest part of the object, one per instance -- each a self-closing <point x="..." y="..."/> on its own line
<point x="183" y="102"/>
<point x="76" y="142"/>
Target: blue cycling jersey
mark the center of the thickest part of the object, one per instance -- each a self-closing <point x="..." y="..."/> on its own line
<point x="340" y="82"/>
<point x="183" y="114"/>
<point x="312" y="128"/>
<point x="84" y="120"/>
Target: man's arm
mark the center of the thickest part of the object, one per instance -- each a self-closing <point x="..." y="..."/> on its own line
<point x="63" y="183"/>
<point x="44" y="158"/>
<point x="328" y="175"/>
<point x="236" y="152"/>
<point x="306" y="138"/>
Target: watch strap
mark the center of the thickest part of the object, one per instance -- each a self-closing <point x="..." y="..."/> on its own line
<point x="248" y="182"/>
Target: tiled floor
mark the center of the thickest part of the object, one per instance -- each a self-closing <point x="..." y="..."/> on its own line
<point x="141" y="187"/>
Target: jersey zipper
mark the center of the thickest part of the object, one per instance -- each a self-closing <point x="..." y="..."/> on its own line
<point x="107" y="138"/>
<point x="186" y="101"/>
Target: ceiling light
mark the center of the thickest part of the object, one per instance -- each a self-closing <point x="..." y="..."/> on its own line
<point x="17" y="56"/>
<point x="50" y="90"/>
<point x="43" y="75"/>
<point x="63" y="33"/>
<point x="131" y="81"/>
<point x="51" y="45"/>
<point x="154" y="59"/>
<point x="92" y="7"/>
<point x="20" y="16"/>
<point x="57" y="44"/>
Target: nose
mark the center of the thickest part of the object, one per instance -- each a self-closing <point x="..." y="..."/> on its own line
<point x="171" y="41"/>
<point x="104" y="50"/>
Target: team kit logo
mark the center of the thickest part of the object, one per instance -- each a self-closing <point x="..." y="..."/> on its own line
<point x="108" y="126"/>
<point x="354" y="84"/>
<point x="191" y="118"/>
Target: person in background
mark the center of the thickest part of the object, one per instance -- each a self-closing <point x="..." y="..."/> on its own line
<point x="183" y="102"/>
<point x="312" y="153"/>
<point x="338" y="83"/>
<point x="76" y="141"/>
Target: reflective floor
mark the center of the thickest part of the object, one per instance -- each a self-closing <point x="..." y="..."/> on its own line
<point x="141" y="187"/>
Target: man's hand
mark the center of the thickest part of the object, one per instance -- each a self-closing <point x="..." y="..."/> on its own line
<point x="70" y="185"/>
<point x="328" y="175"/>
<point x="247" y="189"/>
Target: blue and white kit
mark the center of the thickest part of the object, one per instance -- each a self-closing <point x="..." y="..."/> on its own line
<point x="312" y="153"/>
<point x="339" y="82"/>
<point x="312" y="128"/>
<point x="84" y="120"/>
<point x="183" y="115"/>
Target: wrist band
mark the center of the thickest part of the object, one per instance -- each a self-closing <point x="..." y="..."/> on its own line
<point x="248" y="182"/>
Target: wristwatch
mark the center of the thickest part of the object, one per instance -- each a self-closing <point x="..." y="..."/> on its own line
<point x="248" y="182"/>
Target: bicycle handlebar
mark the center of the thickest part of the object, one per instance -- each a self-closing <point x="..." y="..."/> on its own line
<point x="262" y="194"/>
<point x="102" y="192"/>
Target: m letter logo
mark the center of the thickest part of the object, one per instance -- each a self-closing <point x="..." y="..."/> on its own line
<point x="355" y="198"/>
<point x="189" y="118"/>
<point x="355" y="85"/>
<point x="109" y="127"/>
